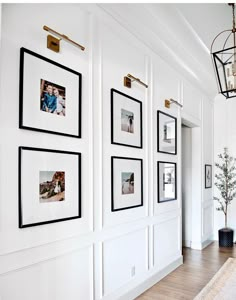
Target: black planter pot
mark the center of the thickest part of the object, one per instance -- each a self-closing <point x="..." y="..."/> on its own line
<point x="226" y="236"/>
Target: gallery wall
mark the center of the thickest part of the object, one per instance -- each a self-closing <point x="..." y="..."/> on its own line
<point x="104" y="254"/>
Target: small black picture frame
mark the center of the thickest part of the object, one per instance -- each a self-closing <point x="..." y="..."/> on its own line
<point x="166" y="181"/>
<point x="126" y="120"/>
<point x="126" y="183"/>
<point x="49" y="96"/>
<point x="49" y="186"/>
<point x="208" y="176"/>
<point x="166" y="133"/>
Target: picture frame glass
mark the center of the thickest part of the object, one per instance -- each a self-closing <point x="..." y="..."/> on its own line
<point x="50" y="96"/>
<point x="167" y="131"/>
<point x="166" y="181"/>
<point x="127" y="183"/>
<point x="49" y="186"/>
<point x="126" y="120"/>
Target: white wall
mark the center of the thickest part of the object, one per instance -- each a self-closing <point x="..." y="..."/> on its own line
<point x="1" y="13"/>
<point x="0" y="25"/>
<point x="207" y="158"/>
<point x="197" y="113"/>
<point x="224" y="136"/>
<point x="109" y="254"/>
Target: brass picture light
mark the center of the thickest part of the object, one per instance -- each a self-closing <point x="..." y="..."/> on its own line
<point x="129" y="78"/>
<point x="53" y="42"/>
<point x="170" y="101"/>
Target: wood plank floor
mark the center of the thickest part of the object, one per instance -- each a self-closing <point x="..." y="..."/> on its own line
<point x="187" y="280"/>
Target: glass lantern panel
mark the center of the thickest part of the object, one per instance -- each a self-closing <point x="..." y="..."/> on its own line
<point x="225" y="64"/>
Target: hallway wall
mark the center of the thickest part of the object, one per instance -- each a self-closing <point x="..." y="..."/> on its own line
<point x="103" y="254"/>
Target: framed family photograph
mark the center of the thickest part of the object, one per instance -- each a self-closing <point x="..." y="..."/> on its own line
<point x="166" y="133"/>
<point x="50" y="96"/>
<point x="126" y="120"/>
<point x="49" y="186"/>
<point x="166" y="176"/>
<point x="126" y="183"/>
<point x="208" y="176"/>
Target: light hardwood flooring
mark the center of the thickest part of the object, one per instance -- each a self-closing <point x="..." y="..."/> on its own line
<point x="187" y="280"/>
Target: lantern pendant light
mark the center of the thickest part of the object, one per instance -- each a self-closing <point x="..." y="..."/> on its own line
<point x="224" y="60"/>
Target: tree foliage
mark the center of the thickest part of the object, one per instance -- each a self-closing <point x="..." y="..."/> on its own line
<point x="225" y="181"/>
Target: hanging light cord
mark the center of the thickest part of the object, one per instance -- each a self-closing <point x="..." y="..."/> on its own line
<point x="234" y="29"/>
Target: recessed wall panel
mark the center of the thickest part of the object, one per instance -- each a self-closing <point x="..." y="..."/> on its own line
<point x="166" y="242"/>
<point x="119" y="59"/>
<point x="124" y="258"/>
<point x="65" y="277"/>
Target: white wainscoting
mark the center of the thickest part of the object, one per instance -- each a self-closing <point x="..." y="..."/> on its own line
<point x="124" y="258"/>
<point x="69" y="276"/>
<point x="167" y="245"/>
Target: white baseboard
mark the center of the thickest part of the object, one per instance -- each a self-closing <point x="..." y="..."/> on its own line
<point x="152" y="280"/>
<point x="186" y="243"/>
<point x="201" y="245"/>
<point x="207" y="243"/>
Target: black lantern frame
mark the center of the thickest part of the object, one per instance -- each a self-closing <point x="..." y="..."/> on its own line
<point x="224" y="61"/>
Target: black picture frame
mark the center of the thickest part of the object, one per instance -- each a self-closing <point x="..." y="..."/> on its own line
<point x="132" y="168"/>
<point x="161" y="181"/>
<point x="208" y="176"/>
<point x="131" y="134"/>
<point x="32" y="84"/>
<point x="162" y="140"/>
<point x="27" y="157"/>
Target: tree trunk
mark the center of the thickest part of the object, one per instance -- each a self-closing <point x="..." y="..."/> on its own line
<point x="226" y="216"/>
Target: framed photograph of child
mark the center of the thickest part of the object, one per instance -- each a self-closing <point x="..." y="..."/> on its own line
<point x="126" y="120"/>
<point x="50" y="96"/>
<point x="49" y="186"/>
<point x="166" y="133"/>
<point x="126" y="182"/>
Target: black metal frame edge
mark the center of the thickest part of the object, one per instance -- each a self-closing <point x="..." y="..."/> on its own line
<point x="20" y="213"/>
<point x="158" y="132"/>
<point x="21" y="81"/>
<point x="158" y="183"/>
<point x="141" y="119"/>
<point x="208" y="187"/>
<point x="112" y="189"/>
<point x="223" y="50"/>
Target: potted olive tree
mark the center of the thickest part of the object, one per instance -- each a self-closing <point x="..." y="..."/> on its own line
<point x="225" y="181"/>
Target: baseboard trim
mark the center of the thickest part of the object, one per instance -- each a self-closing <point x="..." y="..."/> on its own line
<point x="186" y="243"/>
<point x="201" y="245"/>
<point x="206" y="243"/>
<point x="141" y="288"/>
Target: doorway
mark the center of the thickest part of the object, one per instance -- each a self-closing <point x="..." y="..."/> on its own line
<point x="186" y="185"/>
<point x="191" y="184"/>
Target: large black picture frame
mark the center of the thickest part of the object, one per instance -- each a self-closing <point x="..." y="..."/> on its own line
<point x="121" y="196"/>
<point x="130" y="135"/>
<point x="162" y="131"/>
<point x="36" y="74"/>
<point x="35" y="210"/>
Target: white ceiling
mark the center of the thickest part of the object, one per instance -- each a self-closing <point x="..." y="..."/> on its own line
<point x="179" y="33"/>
